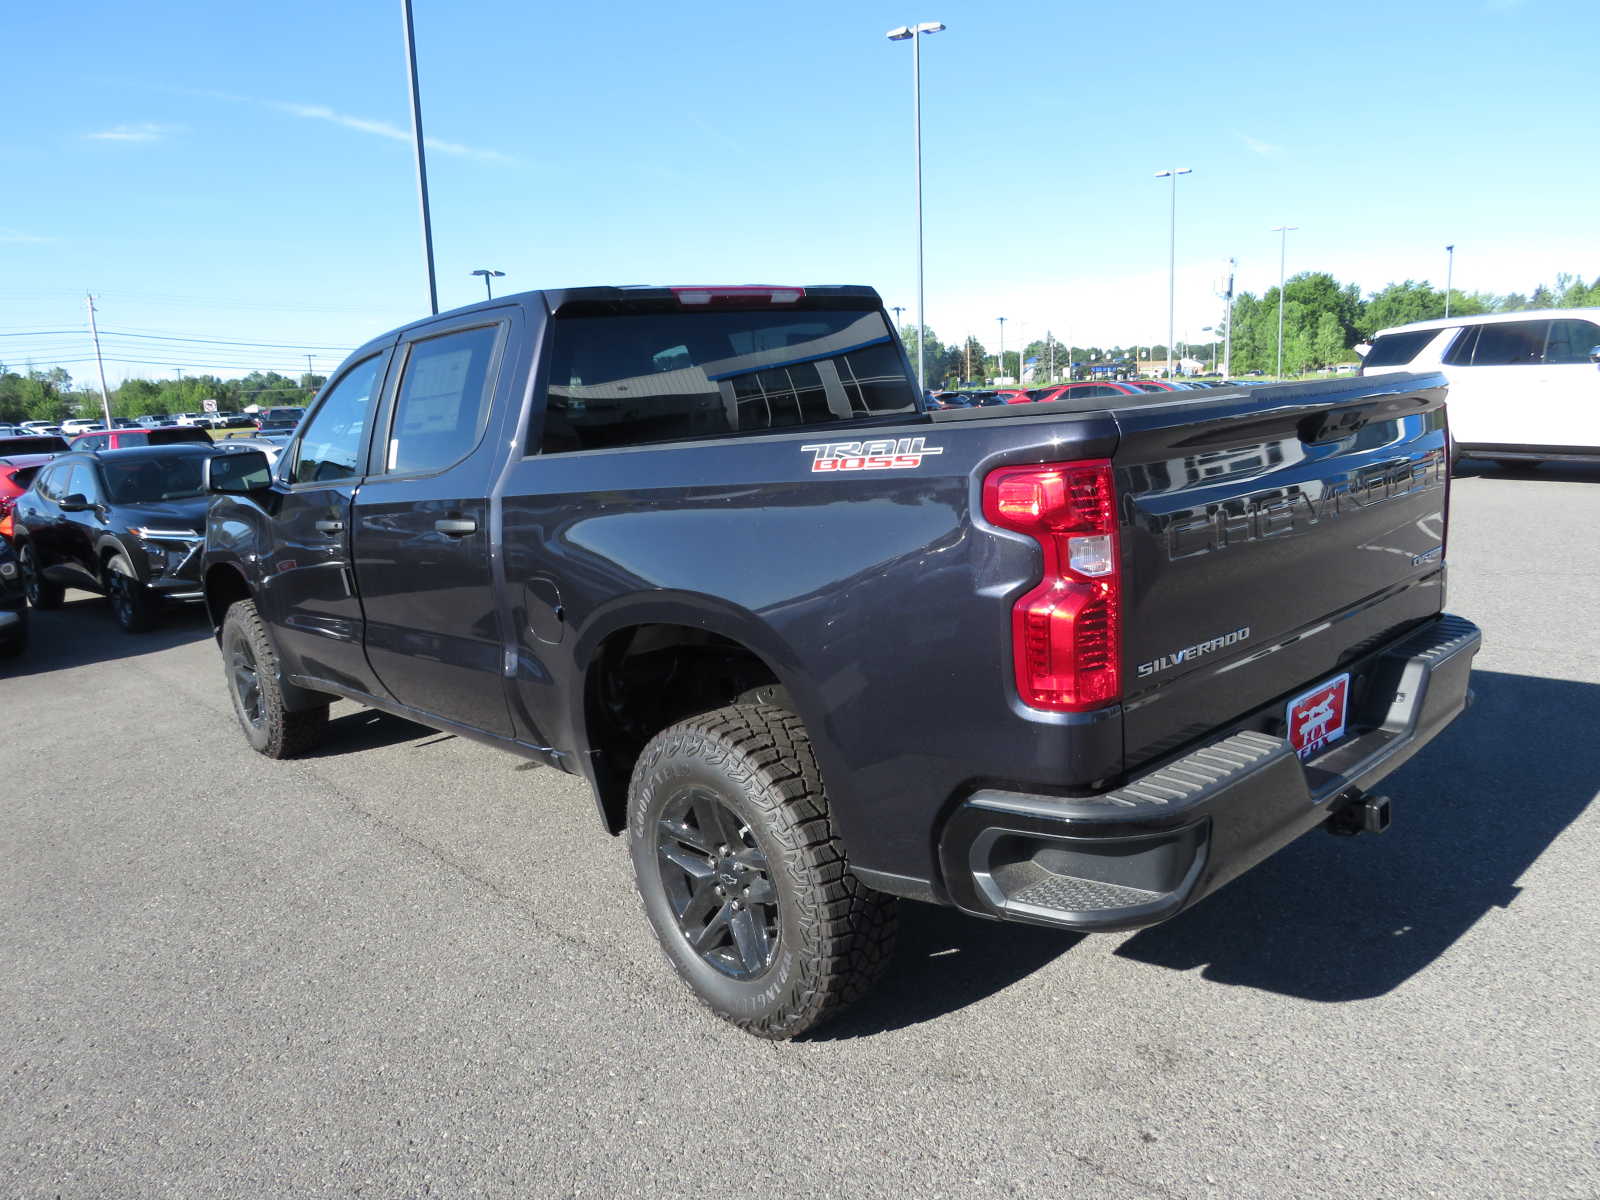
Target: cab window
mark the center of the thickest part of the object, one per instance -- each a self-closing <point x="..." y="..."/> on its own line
<point x="443" y="400"/>
<point x="330" y="446"/>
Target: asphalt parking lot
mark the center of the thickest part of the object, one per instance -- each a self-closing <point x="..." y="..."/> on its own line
<point x="414" y="966"/>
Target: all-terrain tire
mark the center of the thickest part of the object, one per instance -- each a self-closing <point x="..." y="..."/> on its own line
<point x="830" y="935"/>
<point x="250" y="661"/>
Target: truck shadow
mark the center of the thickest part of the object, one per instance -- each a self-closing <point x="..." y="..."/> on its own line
<point x="1325" y="919"/>
<point x="1554" y="472"/>
<point x="1349" y="920"/>
<point x="944" y="961"/>
<point x="83" y="631"/>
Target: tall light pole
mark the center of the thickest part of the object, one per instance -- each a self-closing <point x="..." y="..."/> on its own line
<point x="1001" y="369"/>
<point x="488" y="275"/>
<point x="1283" y="252"/>
<point x="1449" y="271"/>
<point x="422" y="162"/>
<point x="909" y="33"/>
<point x="1172" y="262"/>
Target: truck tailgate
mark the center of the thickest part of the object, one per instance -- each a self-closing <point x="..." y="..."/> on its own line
<point x="1271" y="536"/>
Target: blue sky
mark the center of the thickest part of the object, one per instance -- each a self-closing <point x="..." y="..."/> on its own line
<point x="243" y="172"/>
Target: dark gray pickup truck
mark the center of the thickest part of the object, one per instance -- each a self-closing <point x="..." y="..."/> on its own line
<point x="815" y="648"/>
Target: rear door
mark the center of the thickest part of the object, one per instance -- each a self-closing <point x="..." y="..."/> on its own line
<point x="433" y="633"/>
<point x="309" y="587"/>
<point x="1572" y="380"/>
<point x="1272" y="537"/>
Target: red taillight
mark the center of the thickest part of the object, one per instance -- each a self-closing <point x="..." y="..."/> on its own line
<point x="738" y="295"/>
<point x="1066" y="632"/>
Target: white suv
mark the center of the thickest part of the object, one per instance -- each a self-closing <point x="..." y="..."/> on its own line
<point x="1524" y="386"/>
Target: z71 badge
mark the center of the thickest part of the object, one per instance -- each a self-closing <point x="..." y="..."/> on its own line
<point x="885" y="454"/>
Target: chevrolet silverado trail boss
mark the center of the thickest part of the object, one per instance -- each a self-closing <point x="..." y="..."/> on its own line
<point x="815" y="648"/>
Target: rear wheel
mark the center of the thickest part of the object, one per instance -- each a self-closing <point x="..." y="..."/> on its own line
<point x="251" y="661"/>
<point x="134" y="605"/>
<point x="743" y="878"/>
<point x="40" y="591"/>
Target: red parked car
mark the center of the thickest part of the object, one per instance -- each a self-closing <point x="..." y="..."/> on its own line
<point x="121" y="439"/>
<point x="16" y="473"/>
<point x="1085" y="389"/>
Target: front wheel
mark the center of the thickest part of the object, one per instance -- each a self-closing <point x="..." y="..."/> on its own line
<point x="251" y="661"/>
<point x="742" y="877"/>
<point x="133" y="604"/>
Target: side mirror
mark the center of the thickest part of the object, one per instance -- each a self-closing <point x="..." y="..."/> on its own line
<point x="77" y="502"/>
<point x="239" y="472"/>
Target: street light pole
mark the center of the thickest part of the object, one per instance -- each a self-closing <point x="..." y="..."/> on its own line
<point x="897" y="309"/>
<point x="1449" y="272"/>
<point x="904" y="33"/>
<point x="1000" y="370"/>
<point x="1283" y="252"/>
<point x="487" y="275"/>
<point x="422" y="162"/>
<point x="1172" y="262"/>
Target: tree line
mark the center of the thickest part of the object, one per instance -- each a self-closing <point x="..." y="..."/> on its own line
<point x="1323" y="321"/>
<point x="52" y="395"/>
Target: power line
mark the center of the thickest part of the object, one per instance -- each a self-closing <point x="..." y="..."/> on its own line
<point x="155" y="337"/>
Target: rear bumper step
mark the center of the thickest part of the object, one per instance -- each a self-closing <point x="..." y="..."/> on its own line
<point x="1145" y="851"/>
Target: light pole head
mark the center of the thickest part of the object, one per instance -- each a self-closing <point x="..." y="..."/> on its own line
<point x="1175" y="171"/>
<point x="1451" y="249"/>
<point x="906" y="32"/>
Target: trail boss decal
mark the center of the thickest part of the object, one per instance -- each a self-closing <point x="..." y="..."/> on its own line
<point x="885" y="454"/>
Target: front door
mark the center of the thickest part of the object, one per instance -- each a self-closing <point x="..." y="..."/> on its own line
<point x="307" y="585"/>
<point x="421" y="524"/>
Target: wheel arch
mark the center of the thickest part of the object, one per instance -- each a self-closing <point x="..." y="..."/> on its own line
<point x="647" y="664"/>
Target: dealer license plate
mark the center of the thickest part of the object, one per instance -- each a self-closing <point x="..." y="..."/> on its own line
<point x="1317" y="718"/>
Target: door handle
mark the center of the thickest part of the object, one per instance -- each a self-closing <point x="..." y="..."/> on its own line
<point x="456" y="526"/>
<point x="330" y="526"/>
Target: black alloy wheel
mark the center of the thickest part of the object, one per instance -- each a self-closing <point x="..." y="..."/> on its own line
<point x="246" y="677"/>
<point x="742" y="876"/>
<point x="40" y="592"/>
<point x="131" y="602"/>
<point x="718" y="884"/>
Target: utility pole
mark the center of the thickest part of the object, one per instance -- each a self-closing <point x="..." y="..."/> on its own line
<point x="105" y="394"/>
<point x="422" y="162"/>
<point x="1227" y="325"/>
<point x="308" y="365"/>
<point x="1050" y="340"/>
<point x="968" y="355"/>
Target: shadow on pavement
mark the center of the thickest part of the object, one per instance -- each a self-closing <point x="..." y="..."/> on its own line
<point x="1325" y="919"/>
<point x="1336" y="920"/>
<point x="367" y="729"/>
<point x="1555" y="472"/>
<point x="83" y="631"/>
<point x="946" y="960"/>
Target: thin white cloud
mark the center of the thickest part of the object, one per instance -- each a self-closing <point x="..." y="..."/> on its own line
<point x="146" y="131"/>
<point x="1257" y="145"/>
<point x="16" y="237"/>
<point x="383" y="129"/>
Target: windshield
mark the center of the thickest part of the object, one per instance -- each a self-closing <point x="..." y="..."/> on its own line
<point x="143" y="479"/>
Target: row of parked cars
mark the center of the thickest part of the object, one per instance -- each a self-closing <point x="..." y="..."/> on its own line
<point x="73" y="426"/>
<point x="1082" y="390"/>
<point x="117" y="511"/>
